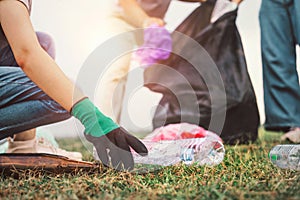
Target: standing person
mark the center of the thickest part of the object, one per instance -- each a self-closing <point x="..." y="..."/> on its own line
<point x="38" y="92"/>
<point x="280" y="33"/>
<point x="127" y="16"/>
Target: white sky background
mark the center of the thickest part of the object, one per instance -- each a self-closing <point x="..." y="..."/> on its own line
<point x="77" y="28"/>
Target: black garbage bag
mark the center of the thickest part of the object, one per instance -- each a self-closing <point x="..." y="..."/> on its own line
<point x="205" y="80"/>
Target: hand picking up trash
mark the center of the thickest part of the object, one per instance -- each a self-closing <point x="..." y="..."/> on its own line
<point x="157" y="46"/>
<point x="183" y="142"/>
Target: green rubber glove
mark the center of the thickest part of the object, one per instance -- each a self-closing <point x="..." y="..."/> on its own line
<point x="105" y="135"/>
<point x="96" y="124"/>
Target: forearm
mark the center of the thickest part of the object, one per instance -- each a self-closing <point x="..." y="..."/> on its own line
<point x="133" y="13"/>
<point x="43" y="71"/>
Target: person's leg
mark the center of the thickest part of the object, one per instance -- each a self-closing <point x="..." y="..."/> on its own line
<point x="111" y="90"/>
<point x="25" y="135"/>
<point x="47" y="44"/>
<point x="27" y="141"/>
<point x="23" y="105"/>
<point x="294" y="134"/>
<point x="295" y="14"/>
<point x="7" y="58"/>
<point x="281" y="85"/>
<point x="22" y="142"/>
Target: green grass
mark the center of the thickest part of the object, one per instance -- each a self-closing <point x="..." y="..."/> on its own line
<point x="245" y="173"/>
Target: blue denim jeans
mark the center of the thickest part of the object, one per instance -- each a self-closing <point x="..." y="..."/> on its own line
<point x="23" y="105"/>
<point x="280" y="33"/>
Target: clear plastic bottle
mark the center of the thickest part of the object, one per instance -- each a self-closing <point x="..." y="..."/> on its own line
<point x="286" y="156"/>
<point x="202" y="151"/>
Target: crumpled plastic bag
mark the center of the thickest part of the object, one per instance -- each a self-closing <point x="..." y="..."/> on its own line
<point x="180" y="131"/>
<point x="157" y="46"/>
<point x="182" y="142"/>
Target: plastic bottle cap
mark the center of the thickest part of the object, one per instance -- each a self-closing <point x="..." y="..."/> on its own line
<point x="274" y="157"/>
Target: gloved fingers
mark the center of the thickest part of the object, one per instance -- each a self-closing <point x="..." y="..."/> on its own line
<point x="102" y="154"/>
<point x="136" y="144"/>
<point x="114" y="154"/>
<point x="132" y="141"/>
<point x="125" y="153"/>
<point x="120" y="159"/>
<point x="115" y="159"/>
<point x="101" y="146"/>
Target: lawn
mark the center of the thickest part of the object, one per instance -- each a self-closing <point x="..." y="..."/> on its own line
<point x="245" y="173"/>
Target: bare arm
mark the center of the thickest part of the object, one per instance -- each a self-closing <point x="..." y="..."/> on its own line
<point x="33" y="60"/>
<point x="135" y="15"/>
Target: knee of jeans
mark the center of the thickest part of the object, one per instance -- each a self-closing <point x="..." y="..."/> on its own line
<point x="47" y="43"/>
<point x="53" y="106"/>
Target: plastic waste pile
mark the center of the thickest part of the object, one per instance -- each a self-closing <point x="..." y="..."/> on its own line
<point x="187" y="143"/>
